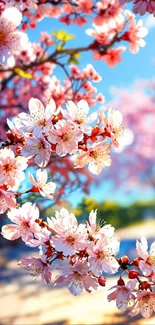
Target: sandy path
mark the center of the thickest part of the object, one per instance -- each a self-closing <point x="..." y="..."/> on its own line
<point x="147" y="229"/>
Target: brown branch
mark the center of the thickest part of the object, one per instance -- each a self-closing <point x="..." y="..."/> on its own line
<point x="53" y="58"/>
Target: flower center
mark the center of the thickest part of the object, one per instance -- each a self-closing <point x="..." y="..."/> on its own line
<point x="118" y="131"/>
<point x="70" y="240"/>
<point x="101" y="255"/>
<point x="42" y="123"/>
<point x="145" y="300"/>
<point x="25" y="224"/>
<point x="7" y="167"/>
<point x="37" y="270"/>
<point x="80" y="119"/>
<point x="66" y="137"/>
<point x="34" y="270"/>
<point x="94" y="154"/>
<point x="40" y="146"/>
<point x="77" y="276"/>
<point x="2" y="36"/>
<point x="151" y="260"/>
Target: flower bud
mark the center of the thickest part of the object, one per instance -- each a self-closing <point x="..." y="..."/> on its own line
<point x="95" y="131"/>
<point x="18" y="151"/>
<point x="10" y="135"/>
<point x="133" y="274"/>
<point x="144" y="285"/>
<point x="124" y="260"/>
<point x="102" y="281"/>
<point x="34" y="189"/>
<point x="136" y="262"/>
<point x="121" y="282"/>
<point x="126" y="37"/>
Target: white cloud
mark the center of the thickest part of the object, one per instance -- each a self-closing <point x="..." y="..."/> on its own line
<point x="149" y="22"/>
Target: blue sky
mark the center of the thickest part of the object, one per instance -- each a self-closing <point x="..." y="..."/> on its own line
<point x="132" y="67"/>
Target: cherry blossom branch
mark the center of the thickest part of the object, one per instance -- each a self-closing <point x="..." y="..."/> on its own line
<point x="51" y="58"/>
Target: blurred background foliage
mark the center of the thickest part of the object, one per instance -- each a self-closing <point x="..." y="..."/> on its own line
<point x="114" y="213"/>
<point x="108" y="212"/>
<point x="111" y="212"/>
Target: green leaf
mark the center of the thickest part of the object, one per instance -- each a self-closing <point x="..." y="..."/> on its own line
<point x="63" y="36"/>
<point x="76" y="55"/>
<point x="73" y="58"/>
<point x="21" y="73"/>
<point x="59" y="47"/>
<point x="54" y="33"/>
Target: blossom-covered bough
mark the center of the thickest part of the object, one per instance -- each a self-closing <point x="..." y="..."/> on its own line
<point x="81" y="253"/>
<point x="51" y="126"/>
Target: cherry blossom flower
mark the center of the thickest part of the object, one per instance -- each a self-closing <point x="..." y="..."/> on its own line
<point x="101" y="256"/>
<point x="36" y="267"/>
<point x="97" y="156"/>
<point x="24" y="223"/>
<point x="45" y="189"/>
<point x="77" y="278"/>
<point x="7" y="200"/>
<point x="39" y="119"/>
<point x="109" y="11"/>
<point x="124" y="140"/>
<point x="145" y="304"/>
<point x="27" y="55"/>
<point x="113" y="125"/>
<point x="70" y="236"/>
<point x="78" y="115"/>
<point x="38" y="148"/>
<point x="85" y="6"/>
<point x="29" y="4"/>
<point x="90" y="72"/>
<point x="46" y="39"/>
<point x="13" y="126"/>
<point x="23" y="4"/>
<point x="60" y="222"/>
<point x="101" y="33"/>
<point x="11" y="168"/>
<point x="95" y="230"/>
<point x="43" y="236"/>
<point x="123" y="293"/>
<point x="135" y="34"/>
<point x="112" y="57"/>
<point x="66" y="137"/>
<point x="10" y="39"/>
<point x="147" y="264"/>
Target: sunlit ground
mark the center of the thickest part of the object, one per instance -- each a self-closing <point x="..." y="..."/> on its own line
<point x="25" y="301"/>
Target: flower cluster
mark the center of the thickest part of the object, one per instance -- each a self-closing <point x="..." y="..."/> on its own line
<point x="111" y="23"/>
<point x="82" y="255"/>
<point x="70" y="131"/>
<point x="125" y="29"/>
<point x="47" y="85"/>
<point x="28" y="67"/>
<point x="34" y="138"/>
